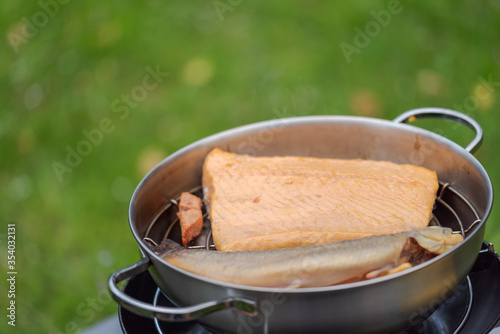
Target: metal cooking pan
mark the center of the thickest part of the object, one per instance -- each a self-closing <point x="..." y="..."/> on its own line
<point x="383" y="304"/>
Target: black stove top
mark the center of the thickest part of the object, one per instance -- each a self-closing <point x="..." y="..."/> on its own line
<point x="473" y="308"/>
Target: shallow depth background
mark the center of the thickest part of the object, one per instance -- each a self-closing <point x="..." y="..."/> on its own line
<point x="83" y="118"/>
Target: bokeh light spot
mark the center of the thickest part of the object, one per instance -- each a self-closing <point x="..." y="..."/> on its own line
<point x="33" y="96"/>
<point x="109" y="33"/>
<point x="485" y="94"/>
<point x="431" y="83"/>
<point x="105" y="258"/>
<point x="365" y="103"/>
<point x="20" y="187"/>
<point x="148" y="159"/>
<point x="197" y="72"/>
<point x="18" y="71"/>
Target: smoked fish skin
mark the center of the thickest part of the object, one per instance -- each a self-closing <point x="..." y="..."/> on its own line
<point x="320" y="265"/>
<point x="258" y="203"/>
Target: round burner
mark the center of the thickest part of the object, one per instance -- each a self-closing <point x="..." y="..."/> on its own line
<point x="472" y="308"/>
<point x="450" y="316"/>
<point x="168" y="327"/>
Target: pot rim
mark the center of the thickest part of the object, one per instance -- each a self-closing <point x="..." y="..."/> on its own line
<point x="301" y="120"/>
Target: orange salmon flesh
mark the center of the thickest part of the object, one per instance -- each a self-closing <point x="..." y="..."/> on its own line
<point x="259" y="203"/>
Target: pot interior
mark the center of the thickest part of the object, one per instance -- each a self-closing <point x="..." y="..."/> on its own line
<point x="324" y="137"/>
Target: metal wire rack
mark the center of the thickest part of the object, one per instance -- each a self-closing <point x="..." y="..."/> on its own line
<point x="451" y="209"/>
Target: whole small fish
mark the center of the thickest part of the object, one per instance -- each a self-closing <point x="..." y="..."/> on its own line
<point x="319" y="265"/>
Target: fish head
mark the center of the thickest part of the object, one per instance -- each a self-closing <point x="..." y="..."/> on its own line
<point x="166" y="246"/>
<point x="436" y="239"/>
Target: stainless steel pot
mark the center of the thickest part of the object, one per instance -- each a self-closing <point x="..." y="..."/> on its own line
<point x="379" y="305"/>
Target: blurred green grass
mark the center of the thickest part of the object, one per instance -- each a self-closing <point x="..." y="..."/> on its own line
<point x="255" y="62"/>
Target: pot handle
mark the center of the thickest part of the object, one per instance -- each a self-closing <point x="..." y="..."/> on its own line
<point x="414" y="114"/>
<point x="172" y="314"/>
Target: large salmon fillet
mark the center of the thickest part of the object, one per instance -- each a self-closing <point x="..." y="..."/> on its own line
<point x="258" y="203"/>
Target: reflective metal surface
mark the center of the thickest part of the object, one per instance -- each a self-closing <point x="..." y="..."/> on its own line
<point x="472" y="308"/>
<point x="355" y="307"/>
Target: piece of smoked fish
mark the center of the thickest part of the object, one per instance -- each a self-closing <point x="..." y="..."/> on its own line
<point x="258" y="203"/>
<point x="190" y="217"/>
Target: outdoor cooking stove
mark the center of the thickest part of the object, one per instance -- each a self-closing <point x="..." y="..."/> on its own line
<point x="473" y="307"/>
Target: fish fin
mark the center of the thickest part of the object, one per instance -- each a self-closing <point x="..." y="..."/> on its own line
<point x="293" y="284"/>
<point x="166" y="246"/>
<point x="387" y="270"/>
